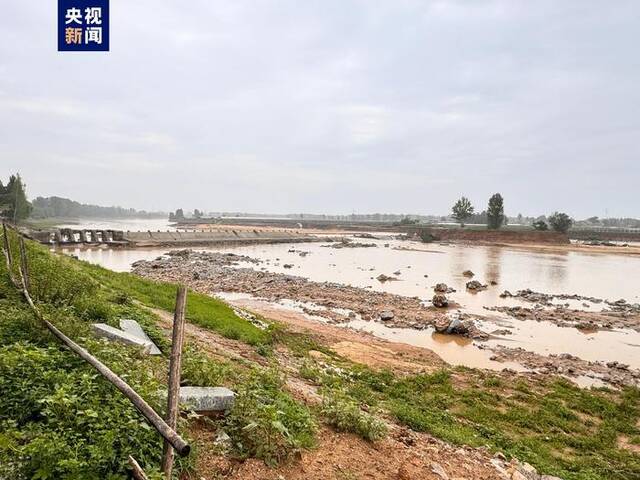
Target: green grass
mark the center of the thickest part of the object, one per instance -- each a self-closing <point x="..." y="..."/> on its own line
<point x="347" y="415"/>
<point x="52" y="398"/>
<point x="202" y="310"/>
<point x="59" y="419"/>
<point x="559" y="428"/>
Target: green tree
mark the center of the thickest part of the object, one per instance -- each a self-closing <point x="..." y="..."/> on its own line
<point x="495" y="212"/>
<point x="462" y="210"/>
<point x="540" y="225"/>
<point x="560" y="222"/>
<point x="13" y="200"/>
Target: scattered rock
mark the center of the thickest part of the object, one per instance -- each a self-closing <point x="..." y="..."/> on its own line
<point x="134" y="328"/>
<point x="385" y="278"/>
<point x="440" y="300"/>
<point x="475" y="285"/>
<point x="386" y="315"/>
<point x="443" y="288"/>
<point x="438" y="470"/>
<point x="346" y="243"/>
<point x="207" y="399"/>
<point x="468" y="273"/>
<point x="451" y="326"/>
<point x="116" y="335"/>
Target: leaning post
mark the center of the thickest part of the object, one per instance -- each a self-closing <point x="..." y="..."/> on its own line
<point x="7" y="247"/>
<point x="175" y="361"/>
<point x="24" y="265"/>
<point x="136" y="470"/>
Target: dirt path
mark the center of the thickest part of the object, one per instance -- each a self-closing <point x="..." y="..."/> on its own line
<point x="359" y="347"/>
<point x="403" y="455"/>
<point x="574" y="247"/>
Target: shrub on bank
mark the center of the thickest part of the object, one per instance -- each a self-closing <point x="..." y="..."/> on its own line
<point x="266" y="423"/>
<point x="346" y="415"/>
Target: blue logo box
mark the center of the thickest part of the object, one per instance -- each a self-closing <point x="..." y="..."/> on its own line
<point x="83" y="25"/>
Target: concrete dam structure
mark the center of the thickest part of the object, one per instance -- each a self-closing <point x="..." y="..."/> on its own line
<point x="115" y="238"/>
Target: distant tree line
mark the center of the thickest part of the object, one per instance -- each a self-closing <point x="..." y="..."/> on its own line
<point x="610" y="222"/>
<point x="14" y="205"/>
<point x="494" y="216"/>
<point x="49" y="207"/>
<point x="179" y="215"/>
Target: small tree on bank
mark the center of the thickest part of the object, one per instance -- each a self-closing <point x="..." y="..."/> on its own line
<point x="540" y="225"/>
<point x="560" y="222"/>
<point x="13" y="200"/>
<point x="495" y="212"/>
<point x="462" y="210"/>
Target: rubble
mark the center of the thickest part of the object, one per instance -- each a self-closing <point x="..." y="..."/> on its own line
<point x="475" y="286"/>
<point x="116" y="335"/>
<point x="440" y="300"/>
<point x="218" y="272"/>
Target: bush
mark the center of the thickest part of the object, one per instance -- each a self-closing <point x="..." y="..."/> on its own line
<point x="266" y="423"/>
<point x="54" y="279"/>
<point x="199" y="370"/>
<point x="560" y="222"/>
<point x="540" y="225"/>
<point x="346" y="415"/>
<point x="426" y="236"/>
<point x="61" y="420"/>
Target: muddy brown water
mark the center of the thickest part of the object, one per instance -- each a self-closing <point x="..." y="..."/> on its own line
<point x="421" y="266"/>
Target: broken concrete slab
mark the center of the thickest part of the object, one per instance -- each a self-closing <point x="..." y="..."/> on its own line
<point x="207" y="399"/>
<point x="134" y="328"/>
<point x="111" y="333"/>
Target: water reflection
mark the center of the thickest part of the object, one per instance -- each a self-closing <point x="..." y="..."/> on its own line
<point x="493" y="262"/>
<point x="420" y="267"/>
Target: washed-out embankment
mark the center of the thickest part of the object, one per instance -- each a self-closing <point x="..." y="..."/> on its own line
<point x="119" y="238"/>
<point x="471" y="235"/>
<point x="226" y="237"/>
<point x="494" y="236"/>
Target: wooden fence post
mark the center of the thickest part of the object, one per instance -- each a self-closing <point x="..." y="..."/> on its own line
<point x="24" y="265"/>
<point x="136" y="470"/>
<point x="7" y="247"/>
<point x="175" y="361"/>
<point x="169" y="434"/>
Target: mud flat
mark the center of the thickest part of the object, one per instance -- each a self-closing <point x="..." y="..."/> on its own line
<point x="387" y="314"/>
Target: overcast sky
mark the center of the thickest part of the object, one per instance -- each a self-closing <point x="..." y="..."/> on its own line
<point x="330" y="106"/>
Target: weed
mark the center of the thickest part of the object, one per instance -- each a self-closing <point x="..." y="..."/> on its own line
<point x="346" y="415"/>
<point x="265" y="422"/>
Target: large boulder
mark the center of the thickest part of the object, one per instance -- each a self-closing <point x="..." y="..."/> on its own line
<point x="441" y="288"/>
<point x="207" y="399"/>
<point x="116" y="335"/>
<point x="440" y="300"/>
<point x="132" y="327"/>
<point x="475" y="286"/>
<point x="452" y="325"/>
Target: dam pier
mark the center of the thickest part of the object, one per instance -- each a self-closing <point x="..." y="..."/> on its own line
<point x="131" y="239"/>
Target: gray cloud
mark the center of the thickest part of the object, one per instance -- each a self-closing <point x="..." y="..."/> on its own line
<point x="330" y="106"/>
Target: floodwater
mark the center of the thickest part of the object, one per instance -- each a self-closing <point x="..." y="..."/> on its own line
<point x="418" y="267"/>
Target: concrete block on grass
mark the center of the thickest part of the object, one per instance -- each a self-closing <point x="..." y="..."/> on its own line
<point x="132" y="327"/>
<point x="114" y="334"/>
<point x="207" y="399"/>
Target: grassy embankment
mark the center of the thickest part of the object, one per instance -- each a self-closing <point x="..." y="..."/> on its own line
<point x="60" y="420"/>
